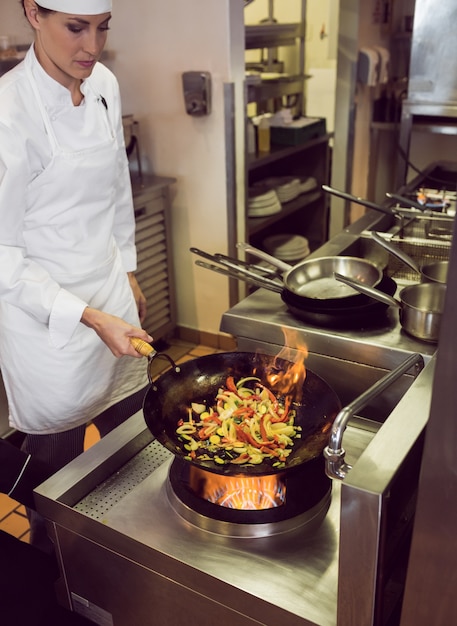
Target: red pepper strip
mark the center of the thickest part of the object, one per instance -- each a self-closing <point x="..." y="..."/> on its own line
<point x="192" y="454"/>
<point x="248" y="438"/>
<point x="272" y="451"/>
<point x="240" y="434"/>
<point x="203" y="434"/>
<point x="263" y="430"/>
<point x="241" y="459"/>
<point x="230" y="384"/>
<point x="285" y="416"/>
<point x="244" y="410"/>
<point x="180" y="422"/>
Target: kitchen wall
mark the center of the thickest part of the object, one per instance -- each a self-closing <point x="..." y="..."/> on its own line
<point x="151" y="45"/>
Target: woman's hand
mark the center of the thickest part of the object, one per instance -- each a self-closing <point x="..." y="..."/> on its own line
<point x="138" y="295"/>
<point x="114" y="331"/>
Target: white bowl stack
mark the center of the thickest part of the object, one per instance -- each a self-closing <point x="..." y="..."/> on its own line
<point x="287" y="247"/>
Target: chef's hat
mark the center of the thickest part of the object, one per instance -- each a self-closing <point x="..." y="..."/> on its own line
<point x="78" y="7"/>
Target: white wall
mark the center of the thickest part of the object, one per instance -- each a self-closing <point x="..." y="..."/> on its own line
<point x="153" y="43"/>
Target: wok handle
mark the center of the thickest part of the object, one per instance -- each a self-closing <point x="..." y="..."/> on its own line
<point x="334" y="453"/>
<point x="145" y="349"/>
<point x="142" y="347"/>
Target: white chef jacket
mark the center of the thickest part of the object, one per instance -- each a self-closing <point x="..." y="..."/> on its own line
<point x="45" y="386"/>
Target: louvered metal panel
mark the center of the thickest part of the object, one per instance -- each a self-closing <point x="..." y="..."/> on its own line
<point x="154" y="265"/>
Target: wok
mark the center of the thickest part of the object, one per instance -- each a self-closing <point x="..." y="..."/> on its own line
<point x="421" y="306"/>
<point x="434" y="272"/>
<point x="313" y="279"/>
<point x="198" y="380"/>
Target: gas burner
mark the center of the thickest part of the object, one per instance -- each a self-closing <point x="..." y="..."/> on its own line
<point x="298" y="498"/>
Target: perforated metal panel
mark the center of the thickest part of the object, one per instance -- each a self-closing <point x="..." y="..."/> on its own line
<point x="97" y="503"/>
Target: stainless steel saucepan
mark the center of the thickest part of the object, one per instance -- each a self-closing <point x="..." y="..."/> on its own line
<point x="421" y="306"/>
<point x="433" y="272"/>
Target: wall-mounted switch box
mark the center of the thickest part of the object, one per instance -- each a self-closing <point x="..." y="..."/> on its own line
<point x="197" y="92"/>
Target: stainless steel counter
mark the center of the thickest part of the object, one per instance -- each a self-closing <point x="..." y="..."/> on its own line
<point x="124" y="527"/>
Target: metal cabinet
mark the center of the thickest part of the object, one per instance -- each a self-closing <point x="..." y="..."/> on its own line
<point x="155" y="268"/>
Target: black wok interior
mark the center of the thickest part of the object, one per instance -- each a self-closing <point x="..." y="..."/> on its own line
<point x="198" y="380"/>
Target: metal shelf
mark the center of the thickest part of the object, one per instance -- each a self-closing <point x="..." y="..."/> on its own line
<point x="272" y="35"/>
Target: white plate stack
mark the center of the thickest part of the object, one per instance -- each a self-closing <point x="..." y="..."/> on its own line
<point x="287" y="187"/>
<point x="263" y="202"/>
<point x="286" y="247"/>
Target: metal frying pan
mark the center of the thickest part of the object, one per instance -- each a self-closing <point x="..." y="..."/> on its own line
<point x="314" y="278"/>
<point x="198" y="380"/>
<point x="433" y="272"/>
<point x="367" y="314"/>
<point x="240" y="270"/>
<point x="359" y="313"/>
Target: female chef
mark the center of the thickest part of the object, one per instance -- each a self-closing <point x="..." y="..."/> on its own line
<point x="69" y="302"/>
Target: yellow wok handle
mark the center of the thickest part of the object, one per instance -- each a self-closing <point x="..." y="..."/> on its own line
<point x="142" y="347"/>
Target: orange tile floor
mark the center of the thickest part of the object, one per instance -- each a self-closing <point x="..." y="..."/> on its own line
<point x="13" y="517"/>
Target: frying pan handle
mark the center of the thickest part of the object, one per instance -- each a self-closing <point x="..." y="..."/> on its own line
<point x="367" y="290"/>
<point x="265" y="256"/>
<point x="357" y="200"/>
<point x="395" y="251"/>
<point x="334" y="453"/>
<point x="259" y="281"/>
<point x="408" y="202"/>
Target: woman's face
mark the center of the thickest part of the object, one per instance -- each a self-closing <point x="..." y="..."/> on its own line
<point x="68" y="46"/>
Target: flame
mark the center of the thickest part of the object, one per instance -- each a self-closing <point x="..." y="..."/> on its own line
<point x="290" y="381"/>
<point x="238" y="492"/>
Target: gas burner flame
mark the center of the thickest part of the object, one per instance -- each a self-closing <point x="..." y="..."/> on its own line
<point x="239" y="492"/>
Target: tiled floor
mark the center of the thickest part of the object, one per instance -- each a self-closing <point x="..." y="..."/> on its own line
<point x="13" y="518"/>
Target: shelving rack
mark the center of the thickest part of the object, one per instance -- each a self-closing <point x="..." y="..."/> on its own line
<point x="308" y="214"/>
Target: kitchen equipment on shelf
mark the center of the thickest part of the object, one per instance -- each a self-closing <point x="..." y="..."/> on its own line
<point x="430" y="272"/>
<point x="314" y="278"/>
<point x="421" y="306"/>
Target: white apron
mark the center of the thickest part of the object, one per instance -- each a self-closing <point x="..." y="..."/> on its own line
<point x="68" y="231"/>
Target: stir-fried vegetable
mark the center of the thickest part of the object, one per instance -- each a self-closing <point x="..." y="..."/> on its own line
<point x="246" y="425"/>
